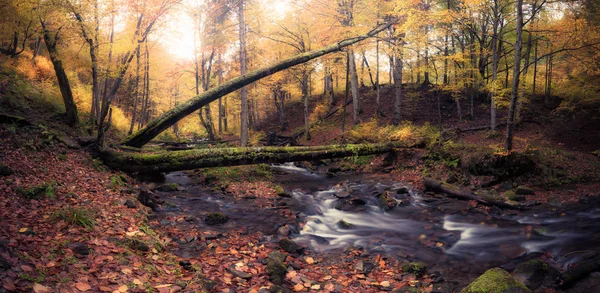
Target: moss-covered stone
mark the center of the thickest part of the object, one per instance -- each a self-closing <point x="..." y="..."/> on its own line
<point x="496" y="280"/>
<point x="168" y="187"/>
<point x="513" y="196"/>
<point x="531" y="273"/>
<point x="290" y="246"/>
<point x="385" y="203"/>
<point x="522" y="190"/>
<point x="345" y="225"/>
<point x="416" y="268"/>
<point x="216" y="219"/>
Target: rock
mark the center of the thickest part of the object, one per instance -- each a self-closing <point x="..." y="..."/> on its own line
<point x="186" y="265"/>
<point x="216" y="219"/>
<point x="416" y="268"/>
<point x="189" y="218"/>
<point x="189" y="238"/>
<point x="345" y="225"/>
<point x="276" y="270"/>
<point x="164" y="222"/>
<point x="276" y="255"/>
<point x="239" y="274"/>
<point x="168" y="187"/>
<point x="5" y="170"/>
<point x="149" y="199"/>
<point x="531" y="273"/>
<point x="385" y="203"/>
<point x="290" y="246"/>
<point x="403" y="190"/>
<point x="79" y="248"/>
<point x="329" y="175"/>
<point x="522" y="190"/>
<point x="130" y="204"/>
<point x="496" y="280"/>
<point x="275" y="289"/>
<point x="138" y="245"/>
<point x="283" y="231"/>
<point x="512" y="250"/>
<point x="511" y="195"/>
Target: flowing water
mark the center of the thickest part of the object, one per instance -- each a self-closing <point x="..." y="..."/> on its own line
<point x="440" y="232"/>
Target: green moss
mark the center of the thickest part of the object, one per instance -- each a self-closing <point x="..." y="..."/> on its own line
<point x="216" y="218"/>
<point x="513" y="196"/>
<point x="46" y="189"/>
<point x="168" y="187"/>
<point x="495" y="280"/>
<point x="417" y="268"/>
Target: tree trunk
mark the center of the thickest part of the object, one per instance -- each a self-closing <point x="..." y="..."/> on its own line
<point x="137" y="92"/>
<point x="63" y="81"/>
<point x="243" y="69"/>
<point x="354" y="88"/>
<point x="516" y="75"/>
<point x="397" y="90"/>
<point x="202" y="158"/>
<point x="377" y="91"/>
<point x="304" y="88"/>
<point x="155" y="127"/>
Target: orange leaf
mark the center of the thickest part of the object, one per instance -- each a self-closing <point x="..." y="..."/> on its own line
<point x="298" y="287"/>
<point x="105" y="289"/>
<point x="83" y="286"/>
<point x="39" y="288"/>
<point x="26" y="268"/>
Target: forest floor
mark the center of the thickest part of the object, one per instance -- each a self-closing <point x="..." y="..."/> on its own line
<point x="68" y="224"/>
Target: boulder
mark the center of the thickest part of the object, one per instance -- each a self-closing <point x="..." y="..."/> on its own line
<point x="496" y="280"/>
<point x="168" y="187"/>
<point x="513" y="196"/>
<point x="290" y="246"/>
<point x="531" y="273"/>
<point x="216" y="219"/>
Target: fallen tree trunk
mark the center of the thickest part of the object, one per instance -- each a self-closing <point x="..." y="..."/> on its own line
<point x="154" y="128"/>
<point x="202" y="158"/>
<point x="455" y="192"/>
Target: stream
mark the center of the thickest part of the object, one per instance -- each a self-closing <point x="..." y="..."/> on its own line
<point x="443" y="233"/>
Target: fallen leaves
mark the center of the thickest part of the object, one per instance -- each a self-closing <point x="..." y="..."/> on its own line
<point x="39" y="288"/>
<point x="83" y="287"/>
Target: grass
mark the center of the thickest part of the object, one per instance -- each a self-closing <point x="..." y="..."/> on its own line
<point x="46" y="189"/>
<point x="75" y="216"/>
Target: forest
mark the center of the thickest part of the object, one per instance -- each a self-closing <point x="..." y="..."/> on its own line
<point x="398" y="146"/>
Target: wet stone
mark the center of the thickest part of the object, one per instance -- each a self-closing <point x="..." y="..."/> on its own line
<point x="189" y="218"/>
<point x="239" y="274"/>
<point x="216" y="219"/>
<point x="80" y="248"/>
<point x="290" y="246"/>
<point x="164" y="222"/>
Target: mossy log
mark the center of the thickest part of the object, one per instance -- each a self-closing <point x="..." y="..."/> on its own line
<point x="168" y="161"/>
<point x="154" y="128"/>
<point x="456" y="192"/>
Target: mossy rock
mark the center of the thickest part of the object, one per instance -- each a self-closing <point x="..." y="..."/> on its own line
<point x="513" y="196"/>
<point x="216" y="219"/>
<point x="416" y="268"/>
<point x="137" y="244"/>
<point x="168" y="187"/>
<point x="5" y="170"/>
<point x="385" y="203"/>
<point x="496" y="280"/>
<point x="280" y="191"/>
<point x="532" y="273"/>
<point x="290" y="246"/>
<point x="278" y="256"/>
<point x="345" y="225"/>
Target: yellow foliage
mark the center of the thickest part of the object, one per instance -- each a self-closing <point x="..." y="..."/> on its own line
<point x="319" y="112"/>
